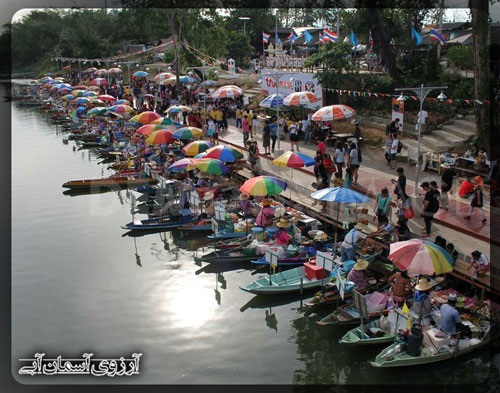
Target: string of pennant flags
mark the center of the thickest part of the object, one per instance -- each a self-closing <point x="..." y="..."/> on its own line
<point x="364" y="94"/>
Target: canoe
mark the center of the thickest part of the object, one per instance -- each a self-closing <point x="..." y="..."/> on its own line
<point x="288" y="281"/>
<point x="288" y="261"/>
<point x="347" y="315"/>
<point x="227" y="235"/>
<point x="228" y="255"/>
<point x="370" y="334"/>
<point x="232" y="243"/>
<point x="110" y="182"/>
<point x="152" y="224"/>
<point x="396" y="355"/>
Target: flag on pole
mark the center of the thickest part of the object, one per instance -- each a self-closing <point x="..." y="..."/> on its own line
<point x="321" y="38"/>
<point x="436" y="35"/>
<point x="354" y="41"/>
<point x="329" y="35"/>
<point x="265" y="37"/>
<point x="370" y="39"/>
<point x="278" y="41"/>
<point x="415" y="35"/>
<point x="308" y="36"/>
<point x="292" y="37"/>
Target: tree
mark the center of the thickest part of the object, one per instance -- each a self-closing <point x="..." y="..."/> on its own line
<point x="461" y="56"/>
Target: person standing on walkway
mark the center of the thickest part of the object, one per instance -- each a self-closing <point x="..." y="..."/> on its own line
<point x="477" y="199"/>
<point x="239" y="117"/>
<point x="274" y="133"/>
<point x="266" y="138"/>
<point x="429" y="207"/>
<point x="294" y="135"/>
<point x="354" y="162"/>
<point x="382" y="204"/>
<point x="394" y="150"/>
<point x="321" y="146"/>
<point x="400" y="184"/>
<point x="338" y="157"/>
<point x="329" y="166"/>
<point x="446" y="184"/>
<point x="253" y="157"/>
<point x="245" y="128"/>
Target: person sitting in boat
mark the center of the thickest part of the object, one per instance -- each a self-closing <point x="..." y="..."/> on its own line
<point x="450" y="321"/>
<point x="422" y="299"/>
<point x="282" y="237"/>
<point x="400" y="287"/>
<point x="208" y="204"/>
<point x="358" y="274"/>
<point x="384" y="230"/>
<point x="350" y="240"/>
<point x="245" y="204"/>
<point x="266" y="214"/>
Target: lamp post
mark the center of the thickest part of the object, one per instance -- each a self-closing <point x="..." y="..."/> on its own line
<point x="244" y="19"/>
<point x="421" y="93"/>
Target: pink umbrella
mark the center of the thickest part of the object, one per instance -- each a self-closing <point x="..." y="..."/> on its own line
<point x="227" y="92"/>
<point x="333" y="112"/>
<point x="101" y="72"/>
<point x="163" y="76"/>
<point x="99" y="82"/>
<point x="148" y="129"/>
<point x="107" y="97"/>
<point x="115" y="70"/>
<point x="90" y="69"/>
<point x="300" y="98"/>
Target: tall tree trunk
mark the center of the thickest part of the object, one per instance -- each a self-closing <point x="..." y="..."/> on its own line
<point x="480" y="37"/>
<point x="382" y="41"/>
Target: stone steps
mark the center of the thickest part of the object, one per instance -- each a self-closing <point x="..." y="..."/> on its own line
<point x="441" y="140"/>
<point x="459" y="131"/>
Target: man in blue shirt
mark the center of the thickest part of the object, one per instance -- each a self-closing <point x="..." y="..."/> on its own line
<point x="449" y="315"/>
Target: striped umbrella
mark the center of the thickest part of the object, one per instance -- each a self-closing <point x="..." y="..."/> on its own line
<point x="168" y="122"/>
<point x="90" y="70"/>
<point x="68" y="97"/>
<point x="196" y="147"/>
<point x="333" y="112"/>
<point x="163" y="76"/>
<point x="97" y="111"/>
<point x="224" y="153"/>
<point x="123" y="101"/>
<point x="300" y="98"/>
<point x="210" y="165"/>
<point x="263" y="185"/>
<point x="78" y="92"/>
<point x="293" y="160"/>
<point x="160" y="137"/>
<point x="96" y="101"/>
<point x="227" y="92"/>
<point x="81" y="100"/>
<point x="99" y="82"/>
<point x="145" y="117"/>
<point x="122" y="108"/>
<point x="89" y="93"/>
<point x="107" y="97"/>
<point x="140" y="74"/>
<point x="272" y="101"/>
<point x="148" y="129"/>
<point x="177" y="109"/>
<point x="81" y="87"/>
<point x="181" y="165"/>
<point x="188" y="133"/>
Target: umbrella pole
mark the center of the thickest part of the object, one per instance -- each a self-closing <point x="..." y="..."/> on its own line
<point x="337" y="227"/>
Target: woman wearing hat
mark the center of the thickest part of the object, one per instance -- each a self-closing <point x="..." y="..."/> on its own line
<point x="400" y="287"/>
<point x="477" y="199"/>
<point x="208" y="203"/>
<point x="347" y="251"/>
<point x="266" y="214"/>
<point x="245" y="204"/>
<point x="282" y="237"/>
<point x="358" y="274"/>
<point x="422" y="299"/>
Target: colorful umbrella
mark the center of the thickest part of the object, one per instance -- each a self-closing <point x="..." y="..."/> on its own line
<point x="224" y="153"/>
<point x="188" y="133"/>
<point x="227" y="92"/>
<point x="90" y="69"/>
<point x="263" y="185"/>
<point x="169" y="81"/>
<point x="163" y="76"/>
<point x="78" y="92"/>
<point x="95" y="88"/>
<point x="145" y="117"/>
<point x="68" y="97"/>
<point x="182" y="164"/>
<point x="293" y="160"/>
<point x="148" y="129"/>
<point x="177" y="108"/>
<point x="210" y="165"/>
<point x="273" y="101"/>
<point x="421" y="257"/>
<point x="99" y="82"/>
<point x="97" y="111"/>
<point x="160" y="137"/>
<point x="96" y="101"/>
<point x="186" y="79"/>
<point x="140" y="74"/>
<point x="333" y="112"/>
<point x="107" y="97"/>
<point x="89" y="93"/>
<point x="80" y="87"/>
<point x="122" y="108"/>
<point x="123" y="101"/>
<point x="196" y="147"/>
<point x="300" y="98"/>
<point x="81" y="100"/>
<point x="208" y="82"/>
<point x="101" y="72"/>
<point x="166" y="121"/>
<point x="115" y="70"/>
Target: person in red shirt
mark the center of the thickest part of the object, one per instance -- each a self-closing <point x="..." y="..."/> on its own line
<point x="321" y="146"/>
<point x="466" y="188"/>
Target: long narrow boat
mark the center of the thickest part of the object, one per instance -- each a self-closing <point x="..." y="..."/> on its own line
<point x="110" y="182"/>
<point x="288" y="261"/>
<point x="396" y="355"/>
<point x="370" y="333"/>
<point x="288" y="281"/>
<point x="229" y="255"/>
<point x="227" y="235"/>
<point x="154" y="224"/>
<point x="347" y="315"/>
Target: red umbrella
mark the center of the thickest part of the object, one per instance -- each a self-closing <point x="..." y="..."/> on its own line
<point x="148" y="129"/>
<point x="107" y="97"/>
<point x="99" y="82"/>
<point x="160" y="137"/>
<point x="333" y="112"/>
<point x="227" y="92"/>
<point x="163" y="76"/>
<point x="101" y="72"/>
<point x="300" y="98"/>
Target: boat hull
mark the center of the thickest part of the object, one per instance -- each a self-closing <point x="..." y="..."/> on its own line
<point x="111" y="183"/>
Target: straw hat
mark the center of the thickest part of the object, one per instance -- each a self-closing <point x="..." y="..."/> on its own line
<point x="283" y="223"/>
<point x="423" y="285"/>
<point x="360" y="264"/>
<point x="208" y="195"/>
<point x="244" y="196"/>
<point x="266" y="202"/>
<point x="360" y="226"/>
<point x="320" y="236"/>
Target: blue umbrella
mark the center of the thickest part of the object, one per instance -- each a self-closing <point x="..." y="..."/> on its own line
<point x="272" y="101"/>
<point x="141" y="74"/>
<point x="187" y="79"/>
<point x="208" y="82"/>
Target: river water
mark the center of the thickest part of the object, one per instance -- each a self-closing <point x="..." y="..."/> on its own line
<point x="79" y="286"/>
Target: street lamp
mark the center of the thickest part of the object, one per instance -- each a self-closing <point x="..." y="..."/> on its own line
<point x="244" y="19"/>
<point x="421" y="93"/>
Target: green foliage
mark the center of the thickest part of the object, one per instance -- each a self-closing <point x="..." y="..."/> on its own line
<point x="418" y="66"/>
<point x="461" y="56"/>
<point x="238" y="47"/>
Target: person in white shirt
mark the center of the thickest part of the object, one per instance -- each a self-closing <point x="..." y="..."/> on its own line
<point x="394" y="150"/>
<point x="421" y="117"/>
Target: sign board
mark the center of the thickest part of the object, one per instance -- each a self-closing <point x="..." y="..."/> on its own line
<point x="398" y="109"/>
<point x="325" y="260"/>
<point x="215" y="226"/>
<point x="360" y="304"/>
<point x="340" y="284"/>
<point x="285" y="83"/>
<point x="220" y="211"/>
<point x="272" y="257"/>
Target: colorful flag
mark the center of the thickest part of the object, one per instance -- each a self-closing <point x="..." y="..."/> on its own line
<point x="436" y="35"/>
<point x="308" y="36"/>
<point x="265" y="37"/>
<point x="415" y="35"/>
<point x="292" y="37"/>
<point x="370" y="39"/>
<point x="321" y="38"/>
<point x="278" y="41"/>
<point x="329" y="35"/>
<point x="354" y="41"/>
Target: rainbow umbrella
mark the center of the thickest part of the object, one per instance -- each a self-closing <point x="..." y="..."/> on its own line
<point x="64" y="90"/>
<point x="148" y="129"/>
<point x="263" y="185"/>
<point x="181" y="165"/>
<point x="81" y="100"/>
<point x="167" y="122"/>
<point x="145" y="117"/>
<point x="68" y="97"/>
<point x="196" y="147"/>
<point x="421" y="257"/>
<point x="122" y="108"/>
<point x="293" y="160"/>
<point x="78" y="92"/>
<point x="107" y="97"/>
<point x="160" y="137"/>
<point x="224" y="153"/>
<point x="210" y="165"/>
<point x="188" y="133"/>
<point x="97" y="111"/>
<point x="89" y="93"/>
<point x="177" y="108"/>
<point x="96" y="101"/>
<point x="123" y="101"/>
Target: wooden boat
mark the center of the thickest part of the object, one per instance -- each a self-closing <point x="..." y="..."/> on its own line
<point x="288" y="261"/>
<point x="370" y="333"/>
<point x="197" y="227"/>
<point x="232" y="243"/>
<point x="228" y="255"/>
<point x="396" y="355"/>
<point x="155" y="224"/>
<point x="288" y="281"/>
<point x="227" y="235"/>
<point x="113" y="182"/>
<point x="377" y="269"/>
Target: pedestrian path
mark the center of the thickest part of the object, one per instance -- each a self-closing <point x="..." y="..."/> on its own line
<point x="466" y="235"/>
